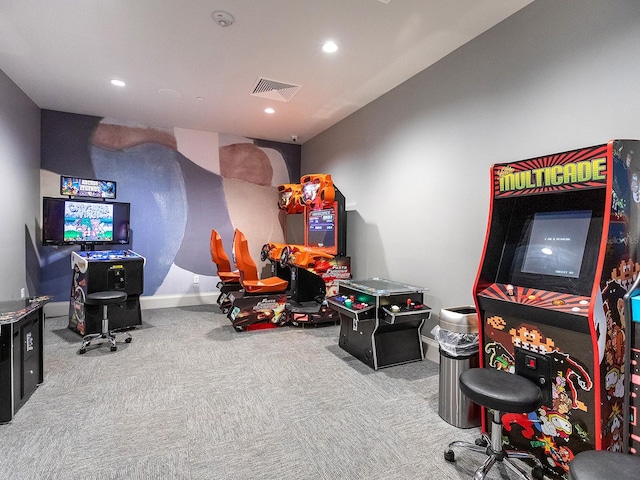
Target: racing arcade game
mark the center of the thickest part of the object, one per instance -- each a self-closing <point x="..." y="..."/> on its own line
<point x="560" y="254"/>
<point x="315" y="267"/>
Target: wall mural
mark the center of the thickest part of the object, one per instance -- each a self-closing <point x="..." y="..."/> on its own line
<point x="180" y="183"/>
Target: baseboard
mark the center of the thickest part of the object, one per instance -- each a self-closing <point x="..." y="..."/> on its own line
<point x="61" y="309"/>
<point x="431" y="349"/>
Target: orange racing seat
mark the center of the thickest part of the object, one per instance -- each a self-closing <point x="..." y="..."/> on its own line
<point x="221" y="259"/>
<point x="249" y="271"/>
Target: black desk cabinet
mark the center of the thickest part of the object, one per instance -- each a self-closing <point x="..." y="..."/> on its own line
<point x="21" y="353"/>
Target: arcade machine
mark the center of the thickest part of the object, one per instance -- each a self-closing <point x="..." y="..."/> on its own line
<point x="316" y="266"/>
<point x="95" y="271"/>
<point x="87" y="219"/>
<point x="309" y="271"/>
<point x="380" y="321"/>
<point x="261" y="302"/>
<point x="560" y="254"/>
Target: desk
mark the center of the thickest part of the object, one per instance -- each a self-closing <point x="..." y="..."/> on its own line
<point x="21" y="353"/>
<point x="380" y="321"/>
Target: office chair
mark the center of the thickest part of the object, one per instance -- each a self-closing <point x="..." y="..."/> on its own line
<point x="502" y="392"/>
<point x="104" y="299"/>
<point x="249" y="278"/>
<point x="229" y="279"/>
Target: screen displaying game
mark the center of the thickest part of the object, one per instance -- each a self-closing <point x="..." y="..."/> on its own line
<point x="556" y="243"/>
<point x="321" y="228"/>
<point x="83" y="187"/>
<point x="84" y="222"/>
<point x="89" y="222"/>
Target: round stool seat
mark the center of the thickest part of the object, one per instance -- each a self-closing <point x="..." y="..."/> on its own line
<point x="105" y="298"/>
<point x="500" y="390"/>
<point x="599" y="464"/>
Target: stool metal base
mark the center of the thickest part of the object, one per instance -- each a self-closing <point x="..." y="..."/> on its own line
<point x="492" y="448"/>
<point x="104" y="299"/>
<point x="110" y="336"/>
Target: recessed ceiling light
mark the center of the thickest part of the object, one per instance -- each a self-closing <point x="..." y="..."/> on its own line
<point x="118" y="83"/>
<point x="269" y="110"/>
<point x="169" y="93"/>
<point x="329" y="47"/>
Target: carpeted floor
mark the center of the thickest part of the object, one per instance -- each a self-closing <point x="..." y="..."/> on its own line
<point x="191" y="398"/>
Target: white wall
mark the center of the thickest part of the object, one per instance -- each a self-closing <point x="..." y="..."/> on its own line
<point x="19" y="189"/>
<point x="414" y="165"/>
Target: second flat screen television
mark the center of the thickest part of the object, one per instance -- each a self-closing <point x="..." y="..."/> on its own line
<point x="78" y="222"/>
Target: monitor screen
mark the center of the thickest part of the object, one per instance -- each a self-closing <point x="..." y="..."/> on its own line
<point x="321" y="228"/>
<point x="68" y="222"/>
<point x="83" y="187"/>
<point x="556" y="243"/>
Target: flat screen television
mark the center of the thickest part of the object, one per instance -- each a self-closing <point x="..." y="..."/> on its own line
<point x="84" y="222"/>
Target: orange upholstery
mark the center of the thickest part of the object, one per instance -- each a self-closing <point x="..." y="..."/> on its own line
<point x="317" y="190"/>
<point x="290" y="198"/>
<point x="272" y="251"/>
<point x="249" y="272"/>
<point x="307" y="257"/>
<point x="221" y="259"/>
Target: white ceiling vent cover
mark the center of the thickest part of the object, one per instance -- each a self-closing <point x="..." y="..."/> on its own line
<point x="274" y="90"/>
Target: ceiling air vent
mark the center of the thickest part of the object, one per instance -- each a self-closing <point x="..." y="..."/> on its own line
<point x="274" y="90"/>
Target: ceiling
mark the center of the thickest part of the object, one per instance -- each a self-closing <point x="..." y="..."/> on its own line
<point x="182" y="69"/>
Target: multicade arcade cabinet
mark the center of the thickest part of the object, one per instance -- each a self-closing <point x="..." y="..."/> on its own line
<point x="560" y="254"/>
<point x="88" y="217"/>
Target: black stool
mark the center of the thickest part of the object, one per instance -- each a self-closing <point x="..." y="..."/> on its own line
<point x="104" y="299"/>
<point x="501" y="392"/>
<point x="599" y="464"/>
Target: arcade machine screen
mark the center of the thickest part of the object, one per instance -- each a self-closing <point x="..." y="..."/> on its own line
<point x="321" y="229"/>
<point x="556" y="243"/>
<point x="69" y="222"/>
<point x="83" y="187"/>
<point x="552" y="250"/>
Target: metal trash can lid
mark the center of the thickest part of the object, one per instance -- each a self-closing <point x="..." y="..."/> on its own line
<point x="459" y="319"/>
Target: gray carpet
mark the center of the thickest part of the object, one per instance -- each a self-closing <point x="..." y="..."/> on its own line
<point x="192" y="398"/>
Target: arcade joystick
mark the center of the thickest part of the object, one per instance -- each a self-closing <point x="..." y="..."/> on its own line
<point x="510" y="290"/>
<point x="395" y="308"/>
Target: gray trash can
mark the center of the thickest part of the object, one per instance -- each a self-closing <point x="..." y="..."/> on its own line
<point x="457" y="335"/>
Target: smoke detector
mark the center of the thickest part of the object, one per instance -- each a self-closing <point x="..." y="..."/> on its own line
<point x="222" y="18"/>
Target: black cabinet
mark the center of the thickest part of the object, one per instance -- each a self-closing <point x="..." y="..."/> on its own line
<point x="380" y="321"/>
<point x="105" y="270"/>
<point x="21" y="353"/>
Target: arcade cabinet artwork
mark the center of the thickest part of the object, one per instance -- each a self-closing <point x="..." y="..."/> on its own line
<point x="311" y="270"/>
<point x="88" y="222"/>
<point x="559" y="256"/>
